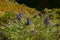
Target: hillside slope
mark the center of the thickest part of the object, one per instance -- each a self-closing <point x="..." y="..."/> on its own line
<point x="13" y="6"/>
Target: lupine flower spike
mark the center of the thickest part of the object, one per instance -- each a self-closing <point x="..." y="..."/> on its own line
<point x="46" y="21"/>
<point x="20" y="16"/>
<point x="28" y="21"/>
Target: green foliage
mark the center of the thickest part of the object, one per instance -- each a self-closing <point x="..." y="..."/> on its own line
<point x="7" y="16"/>
<point x="14" y="30"/>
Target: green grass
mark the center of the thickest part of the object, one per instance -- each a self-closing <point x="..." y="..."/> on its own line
<point x="14" y="29"/>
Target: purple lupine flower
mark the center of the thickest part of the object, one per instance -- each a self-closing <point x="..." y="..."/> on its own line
<point x="25" y="32"/>
<point x="46" y="21"/>
<point x="20" y="16"/>
<point x="28" y="21"/>
<point x="34" y="31"/>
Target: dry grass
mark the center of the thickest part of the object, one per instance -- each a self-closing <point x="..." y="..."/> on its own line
<point x="14" y="6"/>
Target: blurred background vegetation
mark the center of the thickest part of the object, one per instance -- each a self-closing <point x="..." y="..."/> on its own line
<point x="41" y="4"/>
<point x="38" y="4"/>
